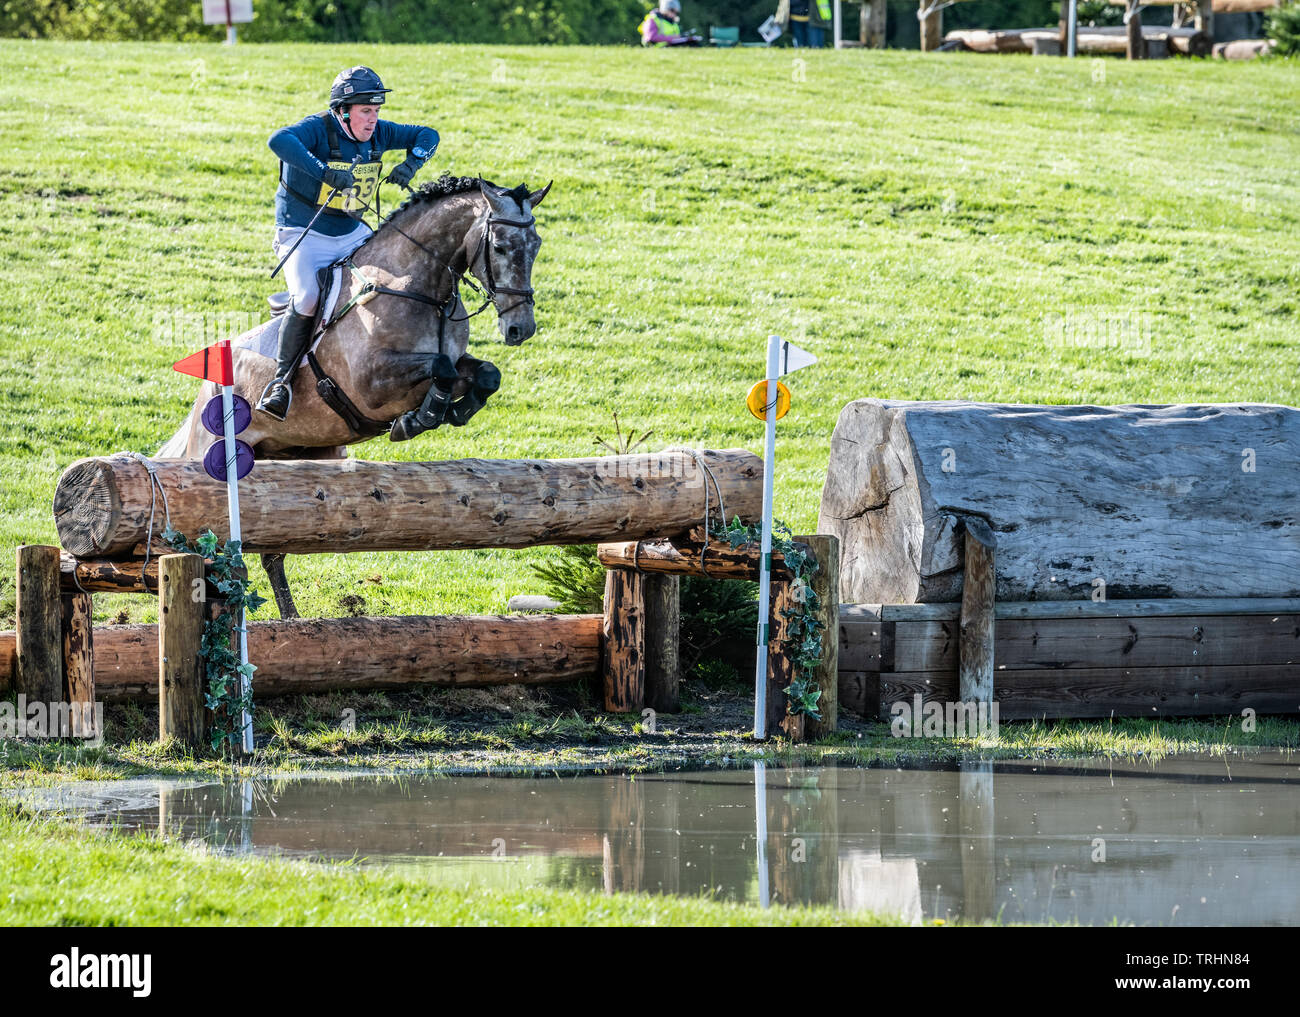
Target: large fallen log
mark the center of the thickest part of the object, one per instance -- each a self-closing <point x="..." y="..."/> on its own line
<point x="1085" y="501"/>
<point x="348" y="654"/>
<point x="104" y="507"/>
<point x="1104" y="39"/>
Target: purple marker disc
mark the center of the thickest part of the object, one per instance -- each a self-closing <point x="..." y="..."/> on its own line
<point x="212" y="416"/>
<point x="215" y="459"/>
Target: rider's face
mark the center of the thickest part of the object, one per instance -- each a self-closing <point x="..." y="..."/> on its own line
<point x="362" y="121"/>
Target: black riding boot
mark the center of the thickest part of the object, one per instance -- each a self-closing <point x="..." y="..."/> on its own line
<point x="431" y="414"/>
<point x="295" y="337"/>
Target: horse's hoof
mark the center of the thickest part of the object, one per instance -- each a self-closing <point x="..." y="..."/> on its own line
<point x="401" y="431"/>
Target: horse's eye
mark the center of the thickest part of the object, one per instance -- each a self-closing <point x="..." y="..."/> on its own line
<point x="499" y="248"/>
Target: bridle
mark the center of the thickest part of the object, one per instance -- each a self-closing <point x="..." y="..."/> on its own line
<point x="490" y="290"/>
<point x="526" y="295"/>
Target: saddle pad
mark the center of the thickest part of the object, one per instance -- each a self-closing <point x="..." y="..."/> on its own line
<point x="264" y="340"/>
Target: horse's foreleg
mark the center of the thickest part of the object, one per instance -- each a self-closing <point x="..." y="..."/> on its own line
<point x="433" y="411"/>
<point x="274" y="566"/>
<point x="482" y="379"/>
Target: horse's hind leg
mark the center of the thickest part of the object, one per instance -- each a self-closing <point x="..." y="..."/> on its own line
<point x="274" y="563"/>
<point x="274" y="566"/>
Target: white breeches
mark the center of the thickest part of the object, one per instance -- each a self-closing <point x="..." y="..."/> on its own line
<point x="313" y="253"/>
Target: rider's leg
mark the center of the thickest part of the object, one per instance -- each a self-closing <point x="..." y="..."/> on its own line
<point x="315" y="252"/>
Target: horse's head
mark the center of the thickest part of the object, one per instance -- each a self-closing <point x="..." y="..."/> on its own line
<point x="506" y="243"/>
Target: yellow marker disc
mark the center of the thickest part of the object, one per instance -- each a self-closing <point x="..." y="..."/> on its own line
<point x="757" y="400"/>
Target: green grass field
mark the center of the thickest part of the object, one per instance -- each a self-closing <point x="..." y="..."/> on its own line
<point x="917" y="221"/>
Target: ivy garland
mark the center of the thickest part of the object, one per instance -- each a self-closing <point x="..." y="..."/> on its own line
<point x="220" y="647"/>
<point x="803" y="642"/>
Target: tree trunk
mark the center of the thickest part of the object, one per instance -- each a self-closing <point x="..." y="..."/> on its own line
<point x="1087" y="502"/>
<point x="102" y="507"/>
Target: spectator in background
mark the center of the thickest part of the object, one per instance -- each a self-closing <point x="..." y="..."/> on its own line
<point x="661" y="28"/>
<point x="805" y="20"/>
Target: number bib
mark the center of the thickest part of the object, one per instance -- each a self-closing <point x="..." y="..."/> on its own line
<point x="366" y="175"/>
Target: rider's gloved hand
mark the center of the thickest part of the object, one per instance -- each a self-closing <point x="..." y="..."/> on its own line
<point x="339" y="178"/>
<point x="402" y="172"/>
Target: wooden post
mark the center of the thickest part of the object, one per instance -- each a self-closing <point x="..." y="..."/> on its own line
<point x="931" y="29"/>
<point x="826" y="585"/>
<point x="624" y="641"/>
<point x="79" y="663"/>
<point x="780" y="668"/>
<point x="1204" y="21"/>
<point x="979" y="583"/>
<point x="662" y="596"/>
<point x="39" y="674"/>
<point x="871" y="28"/>
<point x="1136" y="47"/>
<point x="181" y="671"/>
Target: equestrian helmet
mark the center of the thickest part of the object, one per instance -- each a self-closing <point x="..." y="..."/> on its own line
<point x="357" y="86"/>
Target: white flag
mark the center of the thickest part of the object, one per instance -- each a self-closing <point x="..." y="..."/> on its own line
<point x="791" y="358"/>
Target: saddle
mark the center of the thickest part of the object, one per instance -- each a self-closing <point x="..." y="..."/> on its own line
<point x="330" y="279"/>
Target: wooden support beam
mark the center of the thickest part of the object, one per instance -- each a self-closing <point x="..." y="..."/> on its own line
<point x="662" y="596"/>
<point x="975" y="675"/>
<point x="79" y="663"/>
<point x="39" y="672"/>
<point x="311" y="655"/>
<point x="826" y="586"/>
<point x="104" y="575"/>
<point x="181" y="670"/>
<point x="715" y="559"/>
<point x="1114" y="691"/>
<point x="624" y="627"/>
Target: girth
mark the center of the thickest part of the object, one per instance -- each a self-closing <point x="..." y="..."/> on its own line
<point x="330" y="392"/>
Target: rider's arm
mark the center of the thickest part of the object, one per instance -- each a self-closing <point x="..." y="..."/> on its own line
<point x="291" y="145"/>
<point x="409" y="137"/>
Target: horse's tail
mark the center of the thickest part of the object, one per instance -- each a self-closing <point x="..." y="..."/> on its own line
<point x="176" y="446"/>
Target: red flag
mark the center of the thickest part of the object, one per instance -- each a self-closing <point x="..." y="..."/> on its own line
<point x="214" y="363"/>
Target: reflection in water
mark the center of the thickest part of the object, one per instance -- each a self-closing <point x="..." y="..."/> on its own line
<point x="1183" y="842"/>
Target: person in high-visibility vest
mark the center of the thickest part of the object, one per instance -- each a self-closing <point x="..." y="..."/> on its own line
<point x="661" y="27"/>
<point x="806" y="20"/>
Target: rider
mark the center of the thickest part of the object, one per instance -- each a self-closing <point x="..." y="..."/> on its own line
<point x="337" y="150"/>
<point x="661" y="28"/>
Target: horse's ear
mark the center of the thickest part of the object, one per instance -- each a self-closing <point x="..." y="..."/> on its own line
<point x="489" y="191"/>
<point x="536" y="197"/>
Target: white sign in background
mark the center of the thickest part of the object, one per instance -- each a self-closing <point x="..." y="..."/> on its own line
<point x="214" y="11"/>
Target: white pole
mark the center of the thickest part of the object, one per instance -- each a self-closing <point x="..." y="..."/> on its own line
<point x="839" y="25"/>
<point x="765" y="557"/>
<point x="760" y="810"/>
<point x="1073" y="28"/>
<point x="232" y="505"/>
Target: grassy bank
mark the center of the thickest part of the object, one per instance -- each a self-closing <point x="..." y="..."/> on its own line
<point x="922" y="222"/>
<point x="537" y="731"/>
<point x="58" y="874"/>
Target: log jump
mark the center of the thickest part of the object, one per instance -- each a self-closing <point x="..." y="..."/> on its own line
<point x="103" y="507"/>
<point x="110" y="510"/>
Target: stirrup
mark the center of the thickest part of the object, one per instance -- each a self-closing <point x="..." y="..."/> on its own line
<point x="288" y="386"/>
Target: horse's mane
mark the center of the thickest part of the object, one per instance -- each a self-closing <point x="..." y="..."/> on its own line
<point x="447" y="186"/>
